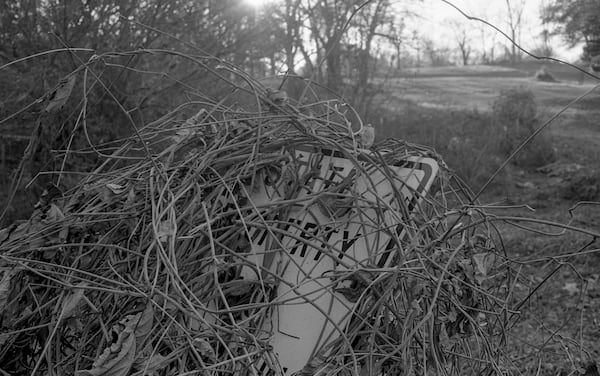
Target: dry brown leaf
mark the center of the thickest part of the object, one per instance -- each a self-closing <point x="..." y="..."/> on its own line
<point x="238" y="288"/>
<point x="111" y="192"/>
<point x="181" y="135"/>
<point x="445" y="341"/>
<point x="53" y="214"/>
<point x="7" y="275"/>
<point x="24" y="232"/>
<point x="118" y="358"/>
<point x="483" y="264"/>
<point x="6" y="232"/>
<point x="130" y="201"/>
<point x="71" y="301"/>
<point x="61" y="94"/>
<point x="371" y="369"/>
<point x="144" y="325"/>
<point x="149" y="362"/>
<point x="205" y="348"/>
<point x="165" y="229"/>
<point x="116" y="189"/>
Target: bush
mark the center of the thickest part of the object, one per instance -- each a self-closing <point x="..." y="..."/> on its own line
<point x="582" y="186"/>
<point x="543" y="75"/>
<point x="465" y="139"/>
<point x="473" y="143"/>
<point x="515" y="115"/>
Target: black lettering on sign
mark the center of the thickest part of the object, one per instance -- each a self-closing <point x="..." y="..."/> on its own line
<point x="388" y="250"/>
<point x="302" y="159"/>
<point x="334" y="177"/>
<point x="263" y="370"/>
<point x="259" y="236"/>
<point x="329" y="231"/>
<point x="347" y="243"/>
<point x="286" y="227"/>
<point x="263" y="237"/>
<point x="305" y="234"/>
<point x="309" y="226"/>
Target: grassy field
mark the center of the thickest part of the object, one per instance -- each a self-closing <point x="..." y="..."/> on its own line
<point x="432" y="105"/>
<point x="559" y="332"/>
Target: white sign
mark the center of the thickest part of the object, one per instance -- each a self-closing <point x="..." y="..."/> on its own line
<point x="341" y="215"/>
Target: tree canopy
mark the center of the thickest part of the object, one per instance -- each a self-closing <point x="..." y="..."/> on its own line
<point x="578" y="21"/>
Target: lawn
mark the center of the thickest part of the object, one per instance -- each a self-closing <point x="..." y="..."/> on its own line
<point x="560" y="324"/>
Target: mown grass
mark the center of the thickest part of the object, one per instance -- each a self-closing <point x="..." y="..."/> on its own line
<point x="557" y="331"/>
<point x="473" y="142"/>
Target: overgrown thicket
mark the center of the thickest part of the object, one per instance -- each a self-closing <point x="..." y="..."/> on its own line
<point x="174" y="254"/>
<point x="145" y="252"/>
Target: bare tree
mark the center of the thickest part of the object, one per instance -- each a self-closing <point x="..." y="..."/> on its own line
<point x="328" y="20"/>
<point x="463" y="40"/>
<point x="289" y="15"/>
<point x="370" y="24"/>
<point x="396" y="29"/>
<point x="514" y="9"/>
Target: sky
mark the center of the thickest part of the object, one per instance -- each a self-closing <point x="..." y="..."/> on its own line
<point x="437" y="21"/>
<point x="438" y="16"/>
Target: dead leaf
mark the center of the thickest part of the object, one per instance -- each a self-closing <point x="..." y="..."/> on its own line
<point x="452" y="316"/>
<point x="49" y="195"/>
<point x="238" y="288"/>
<point x="72" y="300"/>
<point x="74" y="324"/>
<point x="61" y="94"/>
<point x="7" y="274"/>
<point x="118" y="358"/>
<point x="53" y="214"/>
<point x="150" y="363"/>
<point x="29" y="233"/>
<point x="116" y="189"/>
<point x="6" y="232"/>
<point x="165" y="229"/>
<point x="130" y="201"/>
<point x="483" y="264"/>
<point x="371" y="368"/>
<point x="205" y="348"/>
<point x="197" y="117"/>
<point x="109" y="192"/>
<point x="182" y="134"/>
<point x="415" y="304"/>
<point x="144" y="325"/>
<point x="445" y="341"/>
<point x="52" y="235"/>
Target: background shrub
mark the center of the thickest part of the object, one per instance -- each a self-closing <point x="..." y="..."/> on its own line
<point x="515" y="115"/>
<point x="466" y="139"/>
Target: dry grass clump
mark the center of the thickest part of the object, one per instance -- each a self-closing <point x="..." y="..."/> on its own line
<point x="543" y="75"/>
<point x="172" y="257"/>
